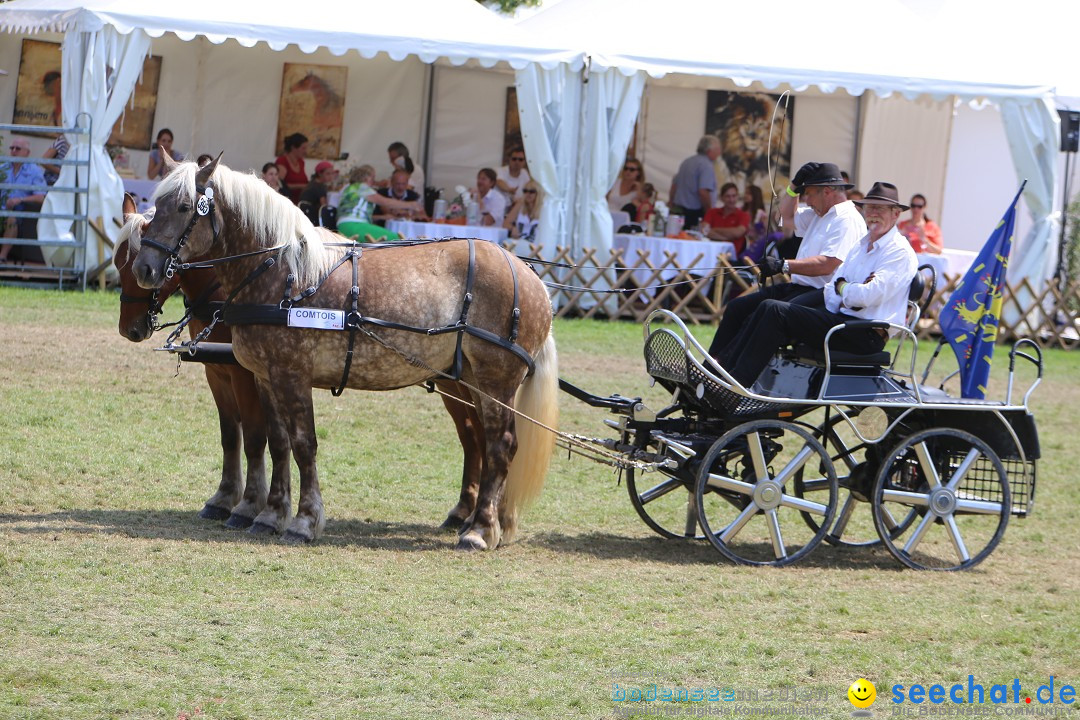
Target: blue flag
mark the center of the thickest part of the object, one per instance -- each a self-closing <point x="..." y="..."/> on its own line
<point x="970" y="318"/>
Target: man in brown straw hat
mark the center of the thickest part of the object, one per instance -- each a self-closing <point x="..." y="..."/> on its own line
<point x="829" y="225"/>
<point x="871" y="284"/>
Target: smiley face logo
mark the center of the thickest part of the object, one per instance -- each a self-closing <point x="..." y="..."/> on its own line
<point x="862" y="693"/>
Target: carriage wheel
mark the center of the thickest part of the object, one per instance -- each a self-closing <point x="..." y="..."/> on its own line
<point x="747" y="506"/>
<point x="665" y="503"/>
<point x="848" y="530"/>
<point x="957" y="487"/>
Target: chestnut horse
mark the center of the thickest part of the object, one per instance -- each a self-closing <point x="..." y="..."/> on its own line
<point x="504" y="354"/>
<point x="236" y="396"/>
<point x="238" y="499"/>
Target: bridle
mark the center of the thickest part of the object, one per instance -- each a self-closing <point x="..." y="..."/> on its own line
<point x="204" y="205"/>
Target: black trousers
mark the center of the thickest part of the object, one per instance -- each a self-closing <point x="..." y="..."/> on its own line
<point x="776" y="323"/>
<point x="741" y="308"/>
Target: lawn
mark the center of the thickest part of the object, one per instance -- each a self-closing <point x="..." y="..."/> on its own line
<point x="118" y="602"/>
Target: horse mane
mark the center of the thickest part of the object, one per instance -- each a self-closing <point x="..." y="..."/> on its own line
<point x="132" y="230"/>
<point x="268" y="215"/>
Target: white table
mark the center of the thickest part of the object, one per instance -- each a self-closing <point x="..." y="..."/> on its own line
<point x="438" y="231"/>
<point x="684" y="254"/>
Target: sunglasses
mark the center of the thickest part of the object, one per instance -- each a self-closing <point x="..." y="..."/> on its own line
<point x="518" y="159"/>
<point x="918" y="205"/>
<point x="529" y="192"/>
<point x="631" y="167"/>
<point x="13" y="148"/>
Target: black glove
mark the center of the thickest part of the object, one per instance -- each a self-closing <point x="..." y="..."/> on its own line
<point x="769" y="266"/>
<point x="805" y="172"/>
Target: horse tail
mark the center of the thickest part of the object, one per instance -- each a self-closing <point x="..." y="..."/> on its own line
<point x="537" y="398"/>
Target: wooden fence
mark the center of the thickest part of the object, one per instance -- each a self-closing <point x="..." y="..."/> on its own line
<point x="606" y="284"/>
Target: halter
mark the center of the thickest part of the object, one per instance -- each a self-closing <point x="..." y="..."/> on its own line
<point x="204" y="205"/>
<point x="153" y="309"/>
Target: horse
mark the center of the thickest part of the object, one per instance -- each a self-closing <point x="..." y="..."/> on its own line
<point x="459" y="311"/>
<point x="238" y="499"/>
<point x="236" y="397"/>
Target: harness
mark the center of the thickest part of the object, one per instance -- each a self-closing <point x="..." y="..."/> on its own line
<point x="353" y="319"/>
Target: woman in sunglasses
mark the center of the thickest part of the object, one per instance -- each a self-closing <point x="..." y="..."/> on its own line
<point x="626" y="190"/>
<point x="922" y="232"/>
<point x="524" y="216"/>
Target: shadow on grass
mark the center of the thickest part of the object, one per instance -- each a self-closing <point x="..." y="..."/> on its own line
<point x="606" y="546"/>
<point x="410" y="537"/>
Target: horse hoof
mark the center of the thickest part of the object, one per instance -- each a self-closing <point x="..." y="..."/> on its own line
<point x="262" y="529"/>
<point x="239" y="522"/>
<point x="213" y="512"/>
<point x="452" y="522"/>
<point x="294" y="538"/>
<point x="469" y="543"/>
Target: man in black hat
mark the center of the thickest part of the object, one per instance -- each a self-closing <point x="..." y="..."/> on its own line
<point x="871" y="284"/>
<point x="829" y="225"/>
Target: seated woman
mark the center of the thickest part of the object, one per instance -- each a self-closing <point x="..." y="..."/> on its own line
<point x="524" y="216"/>
<point x="922" y="232"/>
<point x="358" y="202"/>
<point x="155" y="165"/>
<point x="626" y="189"/>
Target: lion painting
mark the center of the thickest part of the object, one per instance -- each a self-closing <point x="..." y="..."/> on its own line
<point x="742" y="122"/>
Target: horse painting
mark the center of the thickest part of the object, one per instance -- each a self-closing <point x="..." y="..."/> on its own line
<point x="465" y="314"/>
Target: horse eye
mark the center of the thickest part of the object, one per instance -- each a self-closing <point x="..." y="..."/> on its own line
<point x="184" y="207"/>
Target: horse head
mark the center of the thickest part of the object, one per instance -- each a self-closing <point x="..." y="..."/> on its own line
<point x="185" y="225"/>
<point x="139" y="308"/>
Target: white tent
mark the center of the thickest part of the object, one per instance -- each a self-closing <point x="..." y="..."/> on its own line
<point x="102" y="35"/>
<point x="939" y="48"/>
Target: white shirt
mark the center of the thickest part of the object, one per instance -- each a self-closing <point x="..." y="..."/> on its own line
<point x="494" y="203"/>
<point x="833" y="235"/>
<point x="892" y="263"/>
<point x="515" y="183"/>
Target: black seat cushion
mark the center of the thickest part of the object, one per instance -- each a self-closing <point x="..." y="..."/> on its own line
<point x="839" y="357"/>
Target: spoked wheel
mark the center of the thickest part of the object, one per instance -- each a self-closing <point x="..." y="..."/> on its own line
<point x="958" y="489"/>
<point x="855" y="475"/>
<point x="664" y="502"/>
<point x="747" y="506"/>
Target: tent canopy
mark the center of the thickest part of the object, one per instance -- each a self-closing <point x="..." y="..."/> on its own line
<point x="938" y="47"/>
<point x="458" y="30"/>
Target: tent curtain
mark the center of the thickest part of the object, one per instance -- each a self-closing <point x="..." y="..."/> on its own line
<point x="549" y="105"/>
<point x="100" y="69"/>
<point x="1033" y="132"/>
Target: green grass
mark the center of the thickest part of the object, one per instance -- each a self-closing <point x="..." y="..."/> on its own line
<point x="117" y="602"/>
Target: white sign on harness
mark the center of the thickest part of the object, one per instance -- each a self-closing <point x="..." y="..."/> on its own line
<point x="317" y="318"/>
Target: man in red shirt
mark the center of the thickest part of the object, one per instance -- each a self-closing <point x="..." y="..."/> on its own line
<point x="728" y="221"/>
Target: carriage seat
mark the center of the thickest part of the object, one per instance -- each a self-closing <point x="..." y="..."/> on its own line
<point x="816" y="355"/>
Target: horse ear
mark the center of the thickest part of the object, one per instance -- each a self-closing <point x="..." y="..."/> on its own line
<point x="129" y="206"/>
<point x="167" y="160"/>
<point x="206" y="171"/>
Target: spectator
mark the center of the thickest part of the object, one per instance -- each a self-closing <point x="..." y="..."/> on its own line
<point x="400" y="159"/>
<point x="20" y="173"/>
<point x="358" y="201"/>
<point x="728" y="222"/>
<point x="271" y="177"/>
<point x="155" y="165"/>
<point x="59" y="150"/>
<point x="398" y="190"/>
<point x="492" y="202"/>
<point x="524" y="215"/>
<point x="204" y="159"/>
<point x="625" y="191"/>
<point x="922" y="232"/>
<point x="291" y="167"/>
<point x="642" y="205"/>
<point x="511" y="178"/>
<point x="693" y="186"/>
<point x="314" y="194"/>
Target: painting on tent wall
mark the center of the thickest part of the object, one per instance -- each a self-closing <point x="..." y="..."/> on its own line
<point x="37" y="94"/>
<point x="313" y="103"/>
<point x="135" y="128"/>
<point x="751" y="133"/>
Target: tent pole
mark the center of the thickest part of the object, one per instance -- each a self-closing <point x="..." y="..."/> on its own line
<point x="429" y="105"/>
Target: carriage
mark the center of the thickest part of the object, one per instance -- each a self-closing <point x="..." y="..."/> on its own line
<point x="825" y="446"/>
<point x="764" y="473"/>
